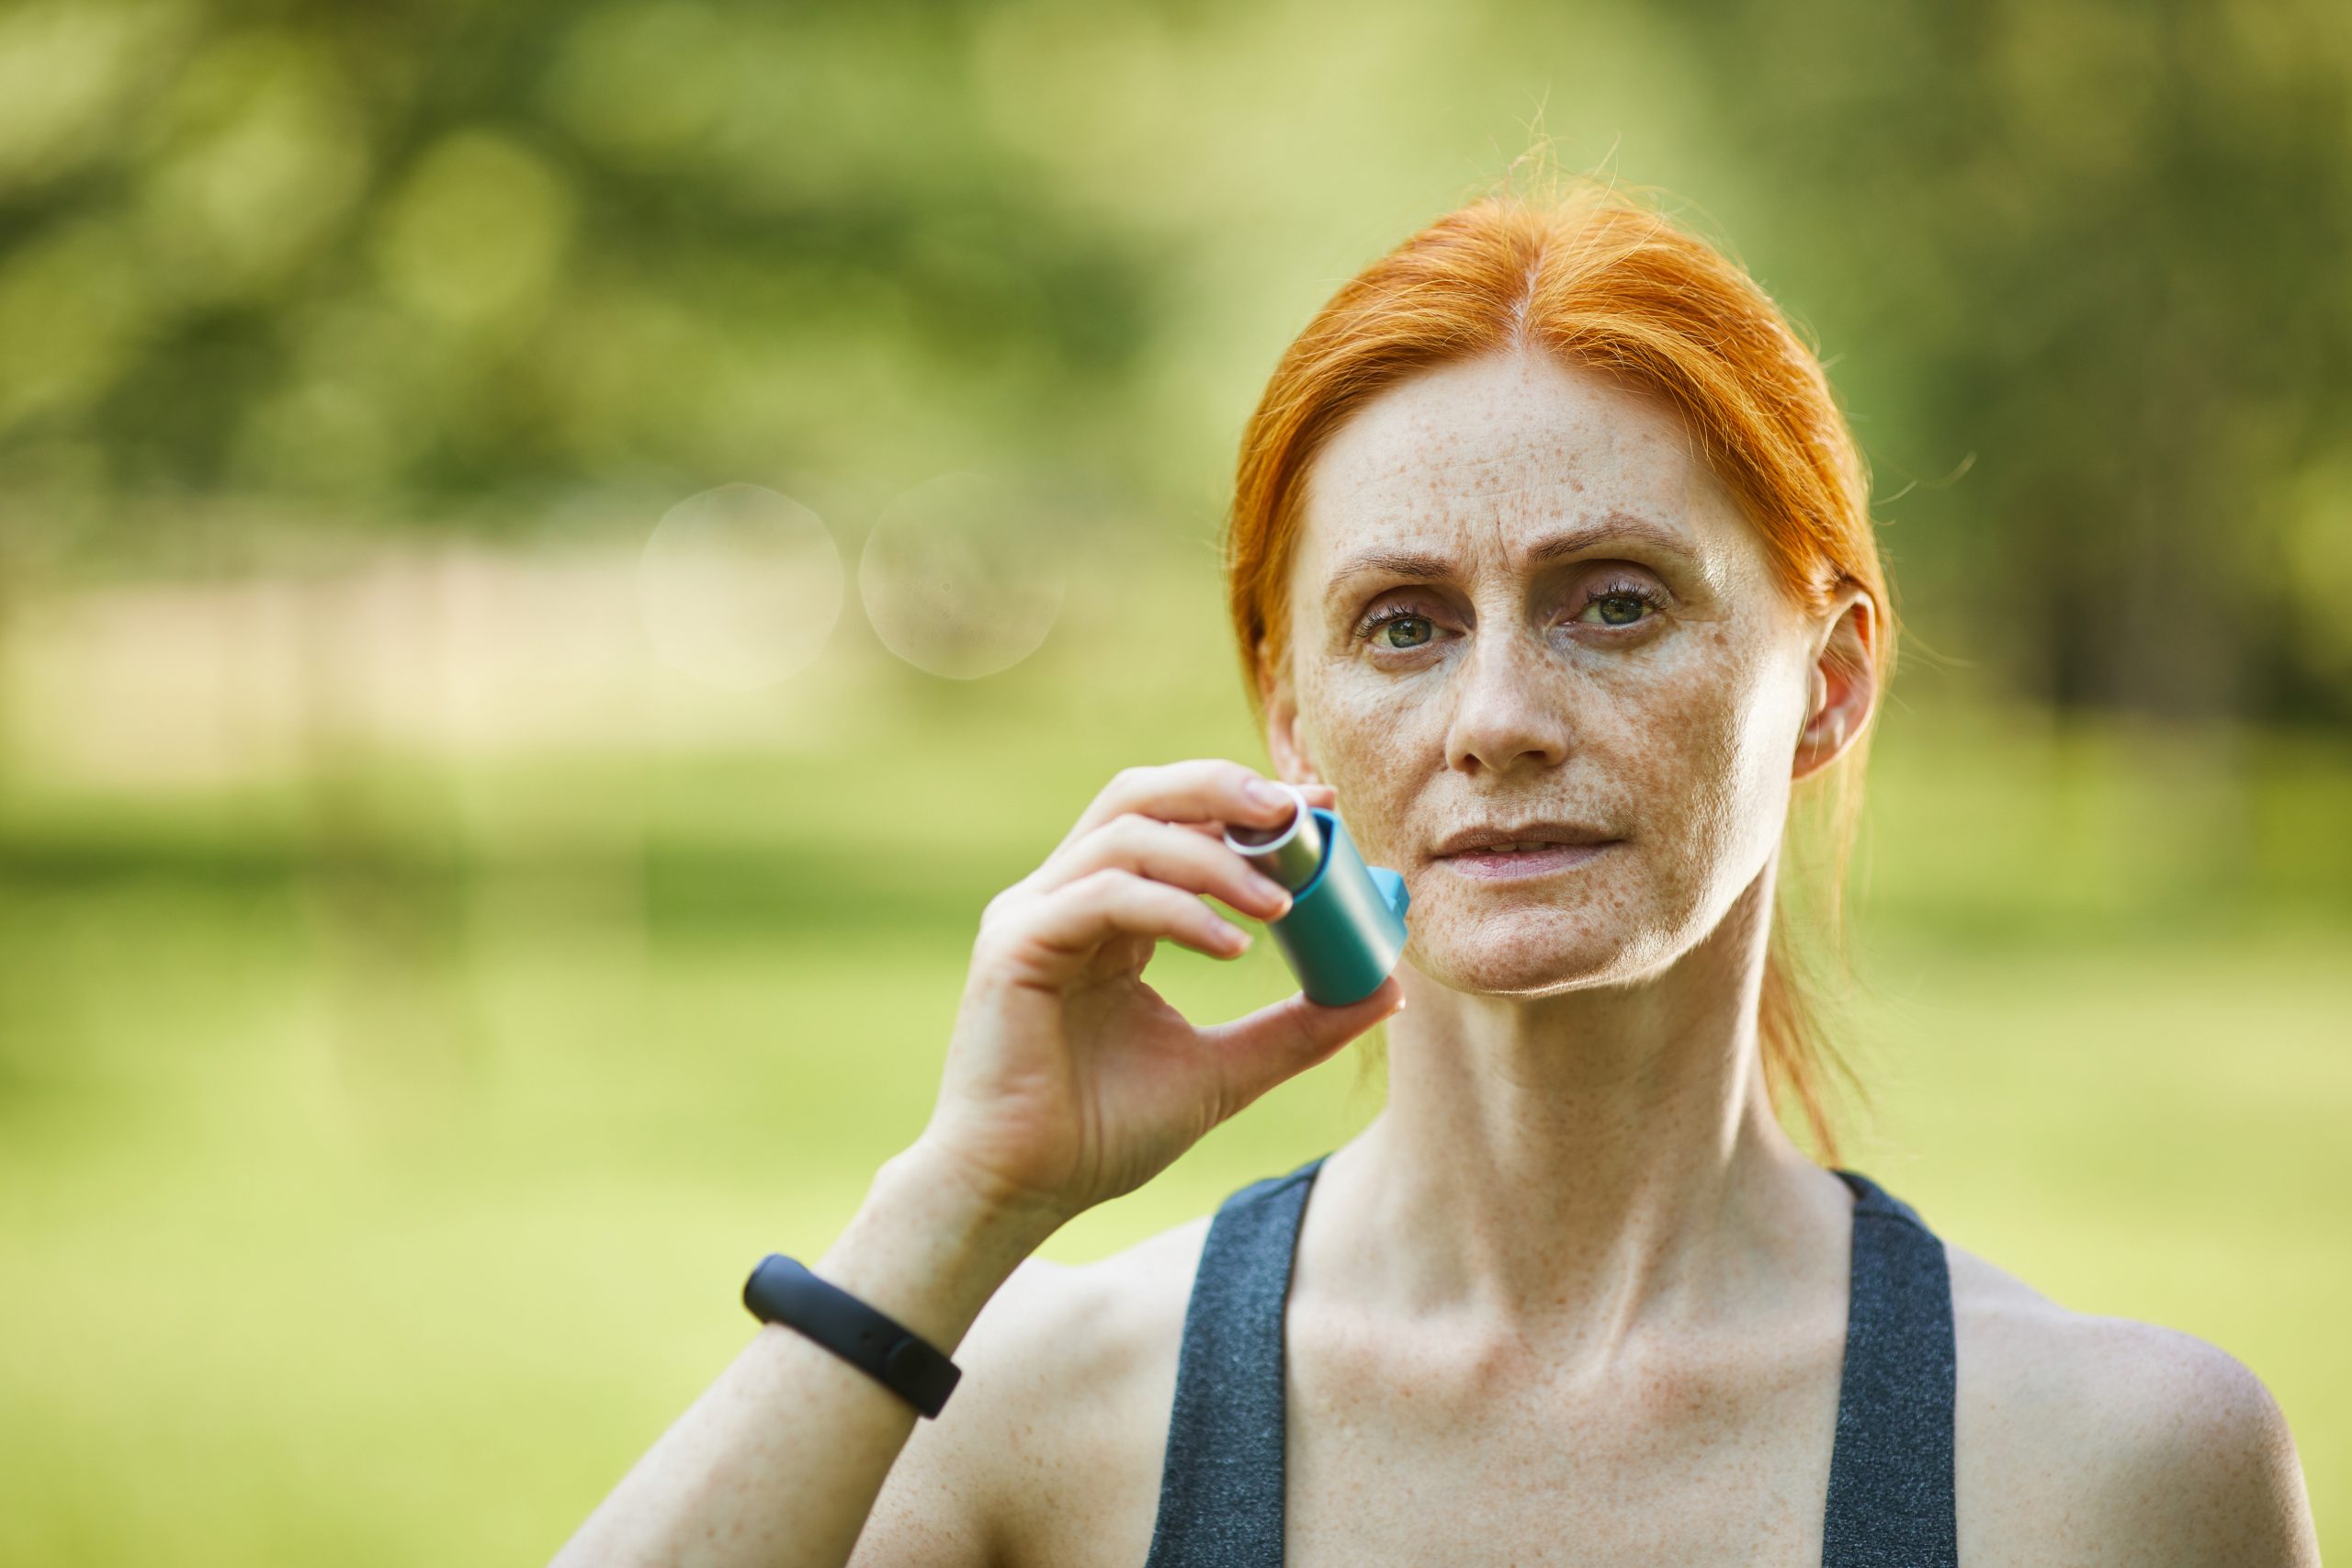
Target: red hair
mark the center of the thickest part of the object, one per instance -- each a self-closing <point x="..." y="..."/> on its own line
<point x="1593" y="279"/>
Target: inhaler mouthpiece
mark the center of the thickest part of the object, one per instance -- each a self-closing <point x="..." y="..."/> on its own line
<point x="1291" y="853"/>
<point x="1346" y="926"/>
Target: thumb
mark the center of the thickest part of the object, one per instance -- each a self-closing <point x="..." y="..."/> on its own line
<point x="1261" y="1049"/>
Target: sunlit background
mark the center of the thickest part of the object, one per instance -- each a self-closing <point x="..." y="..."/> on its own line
<point x="551" y="558"/>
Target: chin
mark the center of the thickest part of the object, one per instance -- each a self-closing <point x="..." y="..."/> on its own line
<point x="1533" y="952"/>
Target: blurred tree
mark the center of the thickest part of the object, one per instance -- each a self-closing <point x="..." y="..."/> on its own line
<point x="394" y="262"/>
<point x="2100" y="248"/>
<point x="387" y="259"/>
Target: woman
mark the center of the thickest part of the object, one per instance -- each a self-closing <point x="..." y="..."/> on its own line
<point x="1551" y="568"/>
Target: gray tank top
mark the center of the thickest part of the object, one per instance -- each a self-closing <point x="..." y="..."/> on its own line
<point x="1890" y="1466"/>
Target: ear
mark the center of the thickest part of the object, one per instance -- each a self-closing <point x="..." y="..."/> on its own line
<point x="1842" y="683"/>
<point x="1286" y="741"/>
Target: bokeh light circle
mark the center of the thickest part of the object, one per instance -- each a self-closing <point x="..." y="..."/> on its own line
<point x="962" y="576"/>
<point x="741" y="586"/>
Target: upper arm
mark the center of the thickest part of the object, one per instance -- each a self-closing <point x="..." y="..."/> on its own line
<point x="2207" y="1471"/>
<point x="1049" y="1450"/>
<point x="940" y="1506"/>
<point x="929" y="1511"/>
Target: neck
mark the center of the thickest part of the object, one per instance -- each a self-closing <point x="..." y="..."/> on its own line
<point x="1567" y="1166"/>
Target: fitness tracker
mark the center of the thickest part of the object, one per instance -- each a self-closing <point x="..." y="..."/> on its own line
<point x="782" y="1289"/>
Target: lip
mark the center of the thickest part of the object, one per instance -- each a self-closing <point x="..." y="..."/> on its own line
<point x="1518" y="865"/>
<point x="1470" y="852"/>
<point x="1553" y="830"/>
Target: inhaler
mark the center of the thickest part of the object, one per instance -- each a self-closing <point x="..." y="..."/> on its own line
<point x="1346" y="926"/>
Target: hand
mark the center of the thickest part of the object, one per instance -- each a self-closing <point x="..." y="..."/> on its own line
<point x="1068" y="1080"/>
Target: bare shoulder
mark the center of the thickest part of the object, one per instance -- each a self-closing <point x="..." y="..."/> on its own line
<point x="1050" y="1448"/>
<point x="2090" y="1439"/>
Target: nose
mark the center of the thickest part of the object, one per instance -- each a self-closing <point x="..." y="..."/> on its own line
<point x="1511" y="707"/>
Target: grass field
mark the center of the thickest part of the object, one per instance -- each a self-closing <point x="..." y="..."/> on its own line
<point x="382" y="1147"/>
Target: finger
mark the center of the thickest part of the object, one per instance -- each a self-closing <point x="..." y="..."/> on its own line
<point x="1320" y="794"/>
<point x="1070" y="922"/>
<point x="1166" y="853"/>
<point x="1264" y="1048"/>
<point x="1211" y="790"/>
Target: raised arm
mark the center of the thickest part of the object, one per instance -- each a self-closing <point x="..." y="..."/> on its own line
<point x="1069" y="1082"/>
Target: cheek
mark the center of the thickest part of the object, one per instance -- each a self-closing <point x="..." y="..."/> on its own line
<point x="1380" y="743"/>
<point x="1701" y="756"/>
<point x="1349" y="719"/>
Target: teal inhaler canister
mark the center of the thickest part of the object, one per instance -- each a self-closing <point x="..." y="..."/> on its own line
<point x="1346" y="926"/>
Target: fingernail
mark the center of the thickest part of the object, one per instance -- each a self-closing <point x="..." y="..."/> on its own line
<point x="1268" y="793"/>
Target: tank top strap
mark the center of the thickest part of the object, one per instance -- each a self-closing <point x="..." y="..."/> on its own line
<point x="1221" y="1488"/>
<point x="1891" y="1494"/>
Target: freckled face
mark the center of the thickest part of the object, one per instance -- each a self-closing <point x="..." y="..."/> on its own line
<point x="1520" y="597"/>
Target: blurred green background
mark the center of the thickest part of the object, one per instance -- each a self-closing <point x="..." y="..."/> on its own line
<point x="447" y="934"/>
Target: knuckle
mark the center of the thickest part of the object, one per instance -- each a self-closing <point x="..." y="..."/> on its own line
<point x="1129" y="826"/>
<point x="1003" y="911"/>
<point x="1003" y="902"/>
<point x="1146" y="844"/>
<point x="1097" y="886"/>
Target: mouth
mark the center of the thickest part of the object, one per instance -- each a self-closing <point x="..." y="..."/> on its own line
<point x="1500" y="864"/>
<point x="1517" y="854"/>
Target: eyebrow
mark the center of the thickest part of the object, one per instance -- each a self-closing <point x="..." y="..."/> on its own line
<point x="1420" y="568"/>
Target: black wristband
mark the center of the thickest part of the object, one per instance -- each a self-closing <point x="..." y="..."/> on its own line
<point x="782" y="1289"/>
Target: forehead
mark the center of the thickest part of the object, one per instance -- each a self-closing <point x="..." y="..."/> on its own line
<point x="1474" y="459"/>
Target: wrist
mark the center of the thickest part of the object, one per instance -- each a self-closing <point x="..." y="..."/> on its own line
<point x="962" y="1187"/>
<point x="930" y="1245"/>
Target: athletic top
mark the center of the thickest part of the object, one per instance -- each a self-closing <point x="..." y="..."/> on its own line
<point x="1890" y="1467"/>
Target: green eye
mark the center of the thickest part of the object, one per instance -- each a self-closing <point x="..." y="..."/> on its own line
<point x="1618" y="609"/>
<point x="1388" y="627"/>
